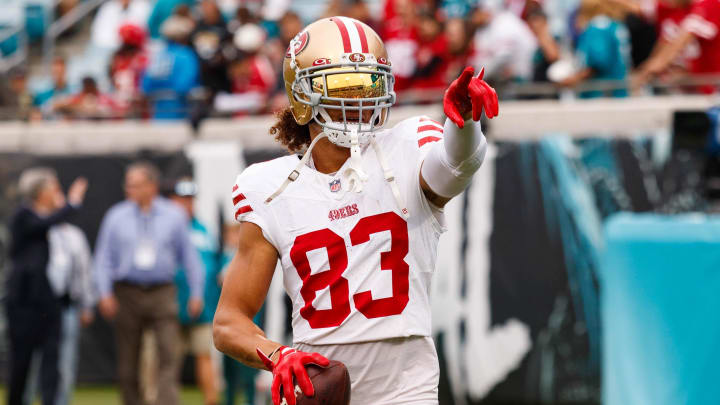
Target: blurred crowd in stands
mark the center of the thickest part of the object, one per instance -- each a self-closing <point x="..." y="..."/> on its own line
<point x="189" y="59"/>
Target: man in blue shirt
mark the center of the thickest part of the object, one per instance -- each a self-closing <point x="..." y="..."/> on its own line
<point x="142" y="241"/>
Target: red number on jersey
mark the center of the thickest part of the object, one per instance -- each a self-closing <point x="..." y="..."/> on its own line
<point x="393" y="260"/>
<point x="312" y="283"/>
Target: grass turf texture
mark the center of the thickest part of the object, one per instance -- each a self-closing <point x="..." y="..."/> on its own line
<point x="103" y="395"/>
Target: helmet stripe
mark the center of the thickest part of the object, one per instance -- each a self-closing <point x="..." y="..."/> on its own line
<point x="363" y="37"/>
<point x="343" y="33"/>
<point x="353" y="34"/>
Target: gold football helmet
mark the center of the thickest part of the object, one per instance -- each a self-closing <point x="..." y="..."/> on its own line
<point x="336" y="72"/>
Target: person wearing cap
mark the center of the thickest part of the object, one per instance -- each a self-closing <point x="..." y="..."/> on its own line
<point x="173" y="71"/>
<point x="196" y="331"/>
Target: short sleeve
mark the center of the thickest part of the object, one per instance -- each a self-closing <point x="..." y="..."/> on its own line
<point x="248" y="207"/>
<point x="704" y="19"/>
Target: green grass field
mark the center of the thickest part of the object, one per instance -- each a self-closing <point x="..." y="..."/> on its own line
<point x="104" y="395"/>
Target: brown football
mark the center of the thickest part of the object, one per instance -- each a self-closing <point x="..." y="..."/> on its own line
<point x="331" y="383"/>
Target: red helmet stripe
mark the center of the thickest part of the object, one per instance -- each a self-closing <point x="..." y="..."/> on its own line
<point x="363" y="37"/>
<point x="344" y="34"/>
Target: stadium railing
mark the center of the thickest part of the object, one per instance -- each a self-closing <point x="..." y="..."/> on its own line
<point x="518" y="120"/>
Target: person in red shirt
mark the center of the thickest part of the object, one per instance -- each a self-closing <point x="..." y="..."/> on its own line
<point x="252" y="77"/>
<point x="702" y="24"/>
<point x="432" y="56"/>
<point x="400" y="35"/>
<point x="127" y="66"/>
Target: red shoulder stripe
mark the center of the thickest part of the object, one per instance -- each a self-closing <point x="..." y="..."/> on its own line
<point x="242" y="210"/>
<point x="425" y="128"/>
<point x="423" y="141"/>
<point x="238" y="198"/>
<point x="235" y="187"/>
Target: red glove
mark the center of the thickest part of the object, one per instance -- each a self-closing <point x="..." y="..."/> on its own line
<point x="468" y="93"/>
<point x="291" y="365"/>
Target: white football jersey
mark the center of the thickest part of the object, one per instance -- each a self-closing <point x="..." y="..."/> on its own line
<point x="355" y="269"/>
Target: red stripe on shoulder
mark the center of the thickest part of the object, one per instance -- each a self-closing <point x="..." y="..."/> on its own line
<point x="344" y="34"/>
<point x="238" y="198"/>
<point x="426" y="128"/>
<point x="242" y="210"/>
<point x="235" y="187"/>
<point x="423" y="141"/>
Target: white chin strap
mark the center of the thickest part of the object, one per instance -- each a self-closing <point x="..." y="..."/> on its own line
<point x="353" y="174"/>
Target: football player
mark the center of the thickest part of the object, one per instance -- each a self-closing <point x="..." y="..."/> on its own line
<point x="354" y="221"/>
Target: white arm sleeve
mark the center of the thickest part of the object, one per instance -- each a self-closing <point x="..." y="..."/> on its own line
<point x="450" y="164"/>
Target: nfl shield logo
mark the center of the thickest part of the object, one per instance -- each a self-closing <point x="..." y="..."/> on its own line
<point x="335" y="185"/>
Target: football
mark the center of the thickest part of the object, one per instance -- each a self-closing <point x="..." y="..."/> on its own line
<point x="332" y="385"/>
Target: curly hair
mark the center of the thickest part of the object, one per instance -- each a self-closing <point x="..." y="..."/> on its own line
<point x="288" y="132"/>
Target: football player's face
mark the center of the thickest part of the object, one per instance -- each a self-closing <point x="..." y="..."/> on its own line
<point x="351" y="115"/>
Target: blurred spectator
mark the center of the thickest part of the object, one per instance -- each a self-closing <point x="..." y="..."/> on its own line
<point x="162" y="10"/>
<point x="89" y="103"/>
<point x="356" y="9"/>
<point x="141" y="243"/>
<point x="71" y="281"/>
<point x="702" y="25"/>
<point x="548" y="49"/>
<point x="127" y="66"/>
<point x="431" y="57"/>
<point x="603" y="48"/>
<point x="458" y="34"/>
<point x="242" y="16"/>
<point x="400" y="36"/>
<point x="504" y="45"/>
<point x="208" y="40"/>
<point x="113" y="15"/>
<point x="196" y="332"/>
<point x="173" y="71"/>
<point x="34" y="311"/>
<point x="58" y="86"/>
<point x="15" y="99"/>
<point x="452" y="9"/>
<point x="643" y="29"/>
<point x="289" y="25"/>
<point x="252" y="76"/>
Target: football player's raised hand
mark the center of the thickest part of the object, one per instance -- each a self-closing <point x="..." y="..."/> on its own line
<point x="289" y="367"/>
<point x="468" y="94"/>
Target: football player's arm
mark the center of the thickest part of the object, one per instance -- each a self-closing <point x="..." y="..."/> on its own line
<point x="244" y="289"/>
<point x="449" y="166"/>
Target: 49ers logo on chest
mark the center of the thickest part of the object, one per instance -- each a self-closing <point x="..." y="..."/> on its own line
<point x="343" y="212"/>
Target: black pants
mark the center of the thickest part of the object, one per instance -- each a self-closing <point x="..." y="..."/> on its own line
<point x="32" y="330"/>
